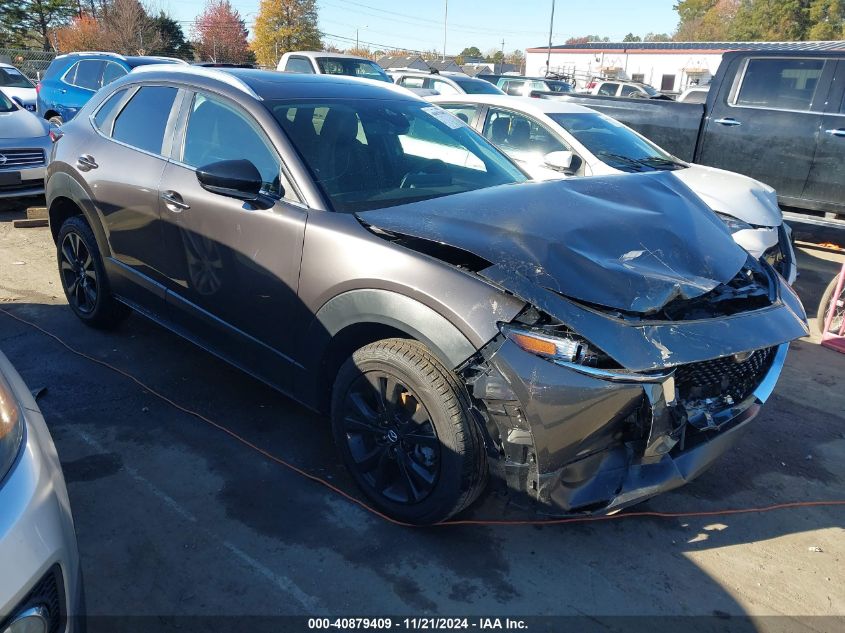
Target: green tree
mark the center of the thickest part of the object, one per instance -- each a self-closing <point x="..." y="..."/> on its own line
<point x="173" y="42"/>
<point x="23" y="20"/>
<point x="471" y="51"/>
<point x="771" y="20"/>
<point x="827" y="18"/>
<point x="282" y="26"/>
<point x="632" y="38"/>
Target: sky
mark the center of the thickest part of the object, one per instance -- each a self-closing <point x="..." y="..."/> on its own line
<point x="418" y="25"/>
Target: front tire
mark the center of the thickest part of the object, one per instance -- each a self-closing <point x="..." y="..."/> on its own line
<point x="84" y="278"/>
<point x="403" y="426"/>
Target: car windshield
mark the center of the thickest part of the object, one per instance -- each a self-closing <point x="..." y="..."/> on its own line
<point x="353" y="67"/>
<point x="559" y="86"/>
<point x="13" y="78"/>
<point x="614" y="144"/>
<point x="477" y="86"/>
<point x="371" y="153"/>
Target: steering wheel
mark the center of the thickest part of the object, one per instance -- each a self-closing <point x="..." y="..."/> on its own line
<point x="433" y="166"/>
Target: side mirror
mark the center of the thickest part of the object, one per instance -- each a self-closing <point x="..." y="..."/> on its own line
<point x="238" y="179"/>
<point x="566" y="162"/>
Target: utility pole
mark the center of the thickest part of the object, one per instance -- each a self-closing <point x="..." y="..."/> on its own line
<point x="445" y="22"/>
<point x="551" y="28"/>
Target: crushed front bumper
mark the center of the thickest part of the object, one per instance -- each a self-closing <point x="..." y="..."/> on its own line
<point x="579" y="442"/>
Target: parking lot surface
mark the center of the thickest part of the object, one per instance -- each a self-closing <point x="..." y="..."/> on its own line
<point x="175" y="517"/>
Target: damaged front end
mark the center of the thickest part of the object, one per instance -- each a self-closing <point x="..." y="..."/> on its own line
<point x="578" y="431"/>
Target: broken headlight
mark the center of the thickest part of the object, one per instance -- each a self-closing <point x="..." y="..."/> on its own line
<point x="734" y="224"/>
<point x="11" y="427"/>
<point x="557" y="344"/>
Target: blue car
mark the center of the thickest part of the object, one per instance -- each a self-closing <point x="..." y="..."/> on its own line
<point x="72" y="79"/>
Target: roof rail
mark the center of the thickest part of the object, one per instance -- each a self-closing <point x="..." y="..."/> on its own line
<point x="106" y="53"/>
<point x="199" y="71"/>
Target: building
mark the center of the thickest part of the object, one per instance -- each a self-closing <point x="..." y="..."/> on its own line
<point x="668" y="66"/>
<point x="396" y="61"/>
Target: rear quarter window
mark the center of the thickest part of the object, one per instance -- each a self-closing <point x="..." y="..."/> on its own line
<point x="142" y="122"/>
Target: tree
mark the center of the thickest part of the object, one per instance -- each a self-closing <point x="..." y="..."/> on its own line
<point x="173" y="42"/>
<point x="282" y="26"/>
<point x="25" y="19"/>
<point x="129" y="30"/>
<point x="828" y="20"/>
<point x="361" y="52"/>
<point x="585" y="39"/>
<point x="471" y="51"/>
<point x="632" y="38"/>
<point x="657" y="37"/>
<point x="84" y="33"/>
<point x="221" y="34"/>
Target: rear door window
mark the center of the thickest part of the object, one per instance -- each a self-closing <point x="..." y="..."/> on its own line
<point x="143" y="121"/>
<point x="88" y="74"/>
<point x="780" y="83"/>
<point x="608" y="90"/>
<point x="299" y="65"/>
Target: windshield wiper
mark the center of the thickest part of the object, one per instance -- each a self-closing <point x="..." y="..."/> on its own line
<point x="632" y="162"/>
<point x="658" y="162"/>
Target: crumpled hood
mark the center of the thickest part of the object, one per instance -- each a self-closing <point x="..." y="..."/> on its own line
<point x="631" y="242"/>
<point x="22" y="124"/>
<point x="736" y="195"/>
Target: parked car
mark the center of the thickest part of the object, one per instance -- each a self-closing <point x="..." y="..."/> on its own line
<point x="41" y="583"/>
<point x="554" y="139"/>
<point x="425" y="83"/>
<point x="776" y="116"/>
<point x="15" y="85"/>
<point x="696" y="94"/>
<point x="72" y="79"/>
<point x="25" y="145"/>
<point x="525" y="86"/>
<point x="376" y="259"/>
<point x="323" y="63"/>
<point x="619" y="88"/>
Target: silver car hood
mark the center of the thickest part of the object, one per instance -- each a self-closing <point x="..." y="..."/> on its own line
<point x="22" y="124"/>
<point x="739" y="196"/>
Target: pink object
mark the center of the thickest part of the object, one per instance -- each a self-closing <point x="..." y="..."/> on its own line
<point x="829" y="339"/>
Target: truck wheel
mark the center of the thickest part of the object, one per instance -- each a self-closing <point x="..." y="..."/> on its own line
<point x="402" y="424"/>
<point x="824" y="306"/>
<point x="84" y="276"/>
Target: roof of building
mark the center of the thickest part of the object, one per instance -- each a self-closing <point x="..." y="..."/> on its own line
<point x="399" y="61"/>
<point x="715" y="47"/>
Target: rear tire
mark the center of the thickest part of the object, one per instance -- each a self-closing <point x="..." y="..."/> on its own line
<point x="403" y="426"/>
<point x="84" y="278"/>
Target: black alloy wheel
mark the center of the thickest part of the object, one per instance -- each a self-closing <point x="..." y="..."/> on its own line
<point x="391" y="438"/>
<point x="79" y="277"/>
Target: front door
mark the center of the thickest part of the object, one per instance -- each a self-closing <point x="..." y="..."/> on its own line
<point x="825" y="188"/>
<point x="233" y="266"/>
<point x="765" y="126"/>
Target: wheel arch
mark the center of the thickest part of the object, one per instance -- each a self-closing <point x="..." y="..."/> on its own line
<point x="66" y="198"/>
<point x="358" y="317"/>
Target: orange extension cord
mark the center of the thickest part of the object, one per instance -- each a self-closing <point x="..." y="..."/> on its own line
<point x="358" y="502"/>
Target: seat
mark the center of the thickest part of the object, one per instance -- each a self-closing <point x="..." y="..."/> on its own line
<point x="520" y="136"/>
<point x="344" y="164"/>
<point x="499" y="130"/>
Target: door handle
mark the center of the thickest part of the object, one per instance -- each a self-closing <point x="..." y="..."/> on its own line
<point x="86" y="162"/>
<point x="839" y="132"/>
<point x="728" y="122"/>
<point x="174" y="201"/>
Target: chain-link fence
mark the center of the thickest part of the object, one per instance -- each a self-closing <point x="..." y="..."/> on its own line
<point x="30" y="62"/>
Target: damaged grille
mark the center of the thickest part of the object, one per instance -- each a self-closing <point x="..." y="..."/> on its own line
<point x="731" y="379"/>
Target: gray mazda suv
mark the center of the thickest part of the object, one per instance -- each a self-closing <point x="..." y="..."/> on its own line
<point x="590" y="343"/>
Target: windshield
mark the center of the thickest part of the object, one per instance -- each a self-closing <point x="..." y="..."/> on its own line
<point x="477" y="87"/>
<point x="651" y="91"/>
<point x="369" y="154"/>
<point x="353" y="67"/>
<point x="13" y="78"/>
<point x="614" y="144"/>
<point x="559" y="86"/>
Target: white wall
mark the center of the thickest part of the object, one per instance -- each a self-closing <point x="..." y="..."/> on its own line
<point x="653" y="66"/>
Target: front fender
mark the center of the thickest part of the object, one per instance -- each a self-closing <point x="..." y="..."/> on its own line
<point x="397" y="311"/>
<point x="61" y="184"/>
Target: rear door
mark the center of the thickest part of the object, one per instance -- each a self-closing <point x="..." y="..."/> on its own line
<point x="825" y="189"/>
<point x="233" y="266"/>
<point x="123" y="166"/>
<point x="765" y="124"/>
<point x="82" y="81"/>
